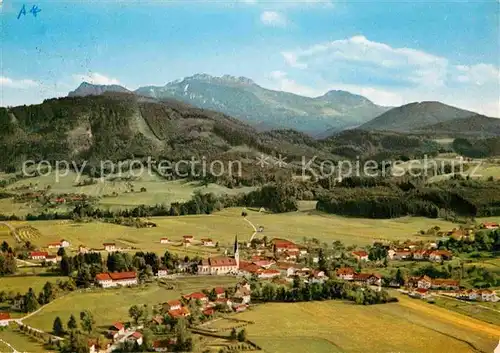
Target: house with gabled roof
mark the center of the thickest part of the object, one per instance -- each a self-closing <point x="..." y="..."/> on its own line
<point x="360" y="255"/>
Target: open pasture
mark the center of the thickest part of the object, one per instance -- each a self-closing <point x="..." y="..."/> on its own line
<point x="20" y="341"/>
<point x="5" y="233"/>
<point x="130" y="189"/>
<point x="112" y="305"/>
<point x="334" y="326"/>
<point x="223" y="226"/>
<point x="23" y="283"/>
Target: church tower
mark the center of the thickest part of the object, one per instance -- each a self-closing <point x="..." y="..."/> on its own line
<point x="236" y="251"/>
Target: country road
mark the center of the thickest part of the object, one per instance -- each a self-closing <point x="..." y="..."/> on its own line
<point x="254" y="229"/>
<point x="10" y="346"/>
<point x="12" y="230"/>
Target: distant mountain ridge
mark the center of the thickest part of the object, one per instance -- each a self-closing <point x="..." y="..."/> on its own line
<point x="415" y="116"/>
<point x="89" y="89"/>
<point x="473" y="126"/>
<point x="263" y="108"/>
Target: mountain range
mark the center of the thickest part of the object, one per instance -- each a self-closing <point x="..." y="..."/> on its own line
<point x="263" y="108"/>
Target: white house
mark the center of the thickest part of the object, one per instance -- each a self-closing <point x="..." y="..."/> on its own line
<point x="207" y="242"/>
<point x="266" y="274"/>
<point x="109" y="247"/>
<point x="136" y="337"/>
<point x="38" y="255"/>
<point x="218" y="266"/>
<point x="164" y="240"/>
<point x="114" y="279"/>
<point x="487" y="295"/>
<point x="346" y="273"/>
<point x="4" y="319"/>
<point x="162" y="273"/>
<point x="59" y="244"/>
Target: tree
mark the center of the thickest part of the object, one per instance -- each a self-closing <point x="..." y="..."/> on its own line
<point x="30" y="303"/>
<point x="5" y="246"/>
<point x="72" y="324"/>
<point x="48" y="292"/>
<point x="57" y="327"/>
<point x="77" y="343"/>
<point x="135" y="312"/>
<point x="87" y="321"/>
<point x="61" y="252"/>
<point x="242" y="336"/>
<point x="233" y="336"/>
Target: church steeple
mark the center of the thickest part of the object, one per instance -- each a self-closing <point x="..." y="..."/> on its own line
<point x="236" y="251"/>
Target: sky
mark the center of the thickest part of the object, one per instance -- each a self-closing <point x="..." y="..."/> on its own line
<point x="392" y="52"/>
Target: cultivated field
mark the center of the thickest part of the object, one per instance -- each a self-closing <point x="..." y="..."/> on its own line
<point x="488" y="312"/>
<point x="223" y="226"/>
<point x="5" y="233"/>
<point x="334" y="326"/>
<point x="112" y="305"/>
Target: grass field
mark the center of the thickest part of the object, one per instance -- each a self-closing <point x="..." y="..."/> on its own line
<point x="21" y="342"/>
<point x="112" y="305"/>
<point x="476" y="310"/>
<point x="126" y="193"/>
<point x="5" y="234"/>
<point x="334" y="326"/>
<point x="23" y="283"/>
<point x="223" y="226"/>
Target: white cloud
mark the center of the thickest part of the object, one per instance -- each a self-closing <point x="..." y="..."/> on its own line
<point x="96" y="79"/>
<point x="12" y="83"/>
<point x="273" y="18"/>
<point x="391" y="76"/>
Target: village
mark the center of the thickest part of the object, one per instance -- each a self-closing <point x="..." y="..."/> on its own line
<point x="275" y="261"/>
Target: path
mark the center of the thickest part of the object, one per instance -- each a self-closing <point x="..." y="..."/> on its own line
<point x="12" y="230"/>
<point x="466" y="302"/>
<point x="9" y="345"/>
<point x="28" y="263"/>
<point x="254" y="229"/>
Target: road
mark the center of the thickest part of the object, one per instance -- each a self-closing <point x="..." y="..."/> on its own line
<point x="12" y="230"/>
<point x="254" y="229"/>
<point x="8" y="344"/>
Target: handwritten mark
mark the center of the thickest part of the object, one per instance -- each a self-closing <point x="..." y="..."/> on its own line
<point x="34" y="10"/>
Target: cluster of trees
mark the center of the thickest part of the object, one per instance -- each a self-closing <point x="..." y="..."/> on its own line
<point x="487" y="241"/>
<point x="8" y="264"/>
<point x="381" y="200"/>
<point x="330" y="289"/>
<point x="240" y="336"/>
<point x="87" y="324"/>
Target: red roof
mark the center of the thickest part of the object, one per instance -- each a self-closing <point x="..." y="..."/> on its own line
<point x="174" y="302"/>
<point x="116" y="276"/>
<point x="196" y="295"/>
<point x="102" y="277"/>
<point x="422" y="290"/>
<point x="106" y="244"/>
<point x="187" y="236"/>
<point x="4" y="316"/>
<point x="270" y="272"/>
<point x="39" y="253"/>
<point x="118" y="326"/>
<point x="137" y="335"/>
<point x="442" y="253"/>
<point x="57" y="243"/>
<point x="207" y="240"/>
<point x="345" y="271"/>
<point x="208" y="312"/>
<point x="360" y="253"/>
<point x="179" y="312"/>
<point x="219" y="290"/>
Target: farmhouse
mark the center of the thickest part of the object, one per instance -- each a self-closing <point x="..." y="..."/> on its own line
<point x="282" y="245"/>
<point x="207" y="242"/>
<point x="164" y="241"/>
<point x="266" y="274"/>
<point x="345" y="273"/>
<point x="487" y="295"/>
<point x="161" y="345"/>
<point x="420" y="254"/>
<point x="114" y="279"/>
<point x="287" y="269"/>
<point x="38" y="255"/>
<point x="420" y="282"/>
<point x="4" y="319"/>
<point x="490" y="225"/>
<point x="220" y="292"/>
<point x="438" y="255"/>
<point x="197" y="296"/>
<point x="182" y="312"/>
<point x="59" y="244"/>
<point x="172" y="305"/>
<point x="360" y="255"/>
<point x="136" y="337"/>
<point x="162" y="273"/>
<point x="469" y="294"/>
<point x="83" y="249"/>
<point x="367" y="278"/>
<point x="116" y="330"/>
<point x="420" y="293"/>
<point x="188" y="238"/>
<point x="401" y="255"/>
<point x="109" y="247"/>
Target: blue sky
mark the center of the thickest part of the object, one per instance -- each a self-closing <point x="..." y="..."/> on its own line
<point x="391" y="52"/>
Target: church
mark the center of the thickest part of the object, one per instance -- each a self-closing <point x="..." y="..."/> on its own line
<point x="221" y="265"/>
